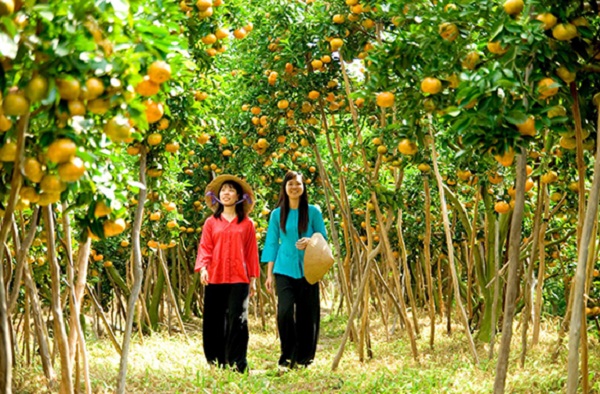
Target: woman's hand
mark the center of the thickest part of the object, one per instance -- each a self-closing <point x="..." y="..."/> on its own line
<point x="252" y="287"/>
<point x="302" y="243"/>
<point x="204" y="276"/>
<point x="269" y="283"/>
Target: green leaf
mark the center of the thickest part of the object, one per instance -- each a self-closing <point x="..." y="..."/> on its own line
<point x="516" y="117"/>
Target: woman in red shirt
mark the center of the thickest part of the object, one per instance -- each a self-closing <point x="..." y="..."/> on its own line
<point x="228" y="265"/>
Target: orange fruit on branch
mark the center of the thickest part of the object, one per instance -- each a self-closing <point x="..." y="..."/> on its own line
<point x="564" y="31"/>
<point x="154" y="111"/>
<point x="513" y="7"/>
<point x="72" y="170"/>
<point x="431" y="85"/>
<point x="547" y="87"/>
<point x="385" y="99"/>
<point x="61" y="150"/>
<point x="548" y="20"/>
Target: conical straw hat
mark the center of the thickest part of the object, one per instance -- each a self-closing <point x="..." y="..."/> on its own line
<point x="317" y="258"/>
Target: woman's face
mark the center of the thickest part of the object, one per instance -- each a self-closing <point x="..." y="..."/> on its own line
<point x="228" y="195"/>
<point x="294" y="187"/>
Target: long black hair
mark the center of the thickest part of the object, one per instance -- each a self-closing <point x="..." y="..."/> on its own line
<point x="239" y="208"/>
<point x="284" y="204"/>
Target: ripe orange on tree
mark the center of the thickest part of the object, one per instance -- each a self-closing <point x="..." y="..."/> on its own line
<point x="407" y="147"/>
<point x="101" y="209"/>
<point x="72" y="170"/>
<point x="431" y="85"/>
<point x="154" y="139"/>
<point x="37" y="88"/>
<point x="154" y="111"/>
<point x="385" y="99"/>
<point x="146" y="87"/>
<point x="114" y="227"/>
<point x="506" y="159"/>
<point x="15" y="104"/>
<point x="501" y="207"/>
<point x="33" y="170"/>
<point x="118" y="129"/>
<point x="547" y="88"/>
<point x="548" y="20"/>
<point x="448" y="31"/>
<point x="527" y="128"/>
<point x="61" y="150"/>
<point x="564" y="31"/>
<point x="513" y="7"/>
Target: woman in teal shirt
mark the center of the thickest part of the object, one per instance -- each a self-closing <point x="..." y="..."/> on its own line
<point x="298" y="302"/>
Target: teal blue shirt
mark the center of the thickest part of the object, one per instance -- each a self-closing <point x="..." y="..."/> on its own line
<point x="281" y="248"/>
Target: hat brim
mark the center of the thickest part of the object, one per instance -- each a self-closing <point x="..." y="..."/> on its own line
<point x="215" y="186"/>
<point x="318" y="258"/>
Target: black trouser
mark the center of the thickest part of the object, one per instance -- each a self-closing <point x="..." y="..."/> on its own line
<point x="298" y="316"/>
<point x="225" y="325"/>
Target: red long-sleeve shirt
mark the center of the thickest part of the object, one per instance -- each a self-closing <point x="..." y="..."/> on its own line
<point x="228" y="250"/>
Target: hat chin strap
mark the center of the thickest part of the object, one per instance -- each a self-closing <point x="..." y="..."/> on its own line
<point x="215" y="199"/>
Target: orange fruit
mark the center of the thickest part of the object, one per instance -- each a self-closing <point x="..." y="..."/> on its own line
<point x="240" y="33"/>
<point x="549" y="177"/>
<point x="547" y="88"/>
<point x="33" y="170"/>
<point x="431" y="85"/>
<point x="114" y="227"/>
<point x="15" y="104"/>
<point x="222" y="33"/>
<point x="203" y="4"/>
<point x="94" y="87"/>
<point x="529" y="184"/>
<point x="513" y="7"/>
<point x="506" y="159"/>
<point x="548" y="20"/>
<point x="47" y="198"/>
<point x="146" y="87"/>
<point x="172" y="147"/>
<point x="501" y="207"/>
<point x="61" y="150"/>
<point x="564" y="31"/>
<point x="101" y="209"/>
<point x="5" y="123"/>
<point x="336" y="44"/>
<point x="495" y="178"/>
<point x="154" y="216"/>
<point x="206" y="13"/>
<point x="159" y="72"/>
<point x="448" y="31"/>
<point x="8" y="152"/>
<point x="68" y="88"/>
<point x="52" y="184"/>
<point x="76" y="108"/>
<point x="29" y="193"/>
<point x="98" y="106"/>
<point x="496" y="48"/>
<point x="154" y="111"/>
<point x="316" y="64"/>
<point x="154" y="139"/>
<point x="283" y="104"/>
<point x="72" y="170"/>
<point x="209" y="39"/>
<point x="118" y="129"/>
<point x="470" y="61"/>
<point x="407" y="147"/>
<point x="7" y="7"/>
<point x="37" y="88"/>
<point x="527" y="128"/>
<point x="338" y="19"/>
<point x="424" y="167"/>
<point x="385" y="99"/>
<point x="313" y="95"/>
<point x="565" y="74"/>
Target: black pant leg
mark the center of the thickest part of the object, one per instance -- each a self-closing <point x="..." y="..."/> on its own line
<point x="285" y="318"/>
<point x="236" y="342"/>
<point x="308" y="317"/>
<point x="214" y="323"/>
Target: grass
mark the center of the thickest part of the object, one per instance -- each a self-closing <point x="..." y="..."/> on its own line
<point x="173" y="364"/>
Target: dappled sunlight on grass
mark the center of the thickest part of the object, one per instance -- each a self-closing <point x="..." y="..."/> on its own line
<point x="173" y="364"/>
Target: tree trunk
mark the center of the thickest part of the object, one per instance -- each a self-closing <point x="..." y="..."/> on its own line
<point x="580" y="277"/>
<point x="15" y="186"/>
<point x="447" y="230"/>
<point x="513" y="274"/>
<point x="138" y="273"/>
<point x="60" y="334"/>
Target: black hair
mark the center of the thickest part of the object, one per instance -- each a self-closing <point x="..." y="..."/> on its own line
<point x="284" y="204"/>
<point x="239" y="208"/>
